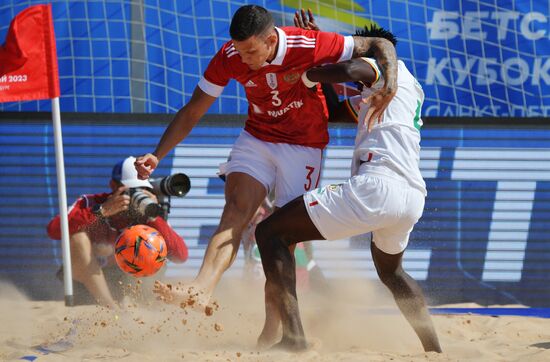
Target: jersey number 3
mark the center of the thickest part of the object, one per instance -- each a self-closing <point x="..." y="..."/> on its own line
<point x="275" y="100"/>
<point x="310" y="171"/>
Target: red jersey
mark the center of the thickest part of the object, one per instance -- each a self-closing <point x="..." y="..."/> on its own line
<point x="81" y="218"/>
<point x="281" y="109"/>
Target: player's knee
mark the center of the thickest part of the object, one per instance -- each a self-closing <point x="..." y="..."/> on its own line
<point x="263" y="233"/>
<point x="269" y="234"/>
<point x="237" y="212"/>
<point x="271" y="239"/>
<point x="390" y="277"/>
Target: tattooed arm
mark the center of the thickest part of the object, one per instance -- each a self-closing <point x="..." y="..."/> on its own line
<point x="384" y="52"/>
<point x="378" y="48"/>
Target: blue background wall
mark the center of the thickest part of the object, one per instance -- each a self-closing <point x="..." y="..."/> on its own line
<point x="483" y="236"/>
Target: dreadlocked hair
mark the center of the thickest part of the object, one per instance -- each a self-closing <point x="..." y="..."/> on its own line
<point x="376" y="32"/>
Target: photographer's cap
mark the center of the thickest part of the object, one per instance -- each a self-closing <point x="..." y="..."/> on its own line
<point x="125" y="172"/>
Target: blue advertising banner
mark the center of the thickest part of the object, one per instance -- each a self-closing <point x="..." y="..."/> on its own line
<point x="483" y="236"/>
<point x="474" y="58"/>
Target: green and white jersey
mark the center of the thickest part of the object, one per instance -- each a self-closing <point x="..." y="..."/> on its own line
<point x="392" y="147"/>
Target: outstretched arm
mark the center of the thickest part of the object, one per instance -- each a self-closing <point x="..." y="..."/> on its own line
<point x="184" y="121"/>
<point x="354" y="70"/>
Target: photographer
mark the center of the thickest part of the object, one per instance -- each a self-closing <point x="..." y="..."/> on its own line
<point x="96" y="220"/>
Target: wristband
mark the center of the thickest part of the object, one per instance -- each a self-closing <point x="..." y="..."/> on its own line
<point x="308" y="83"/>
<point x="375" y="68"/>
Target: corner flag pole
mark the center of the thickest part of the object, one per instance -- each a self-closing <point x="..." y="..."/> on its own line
<point x="29" y="57"/>
<point x="62" y="200"/>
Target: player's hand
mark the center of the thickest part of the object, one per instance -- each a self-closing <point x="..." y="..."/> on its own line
<point x="377" y="104"/>
<point x="145" y="165"/>
<point x="306" y="22"/>
<point x="117" y="202"/>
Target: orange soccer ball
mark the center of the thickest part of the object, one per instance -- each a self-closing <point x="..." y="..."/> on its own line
<point x="140" y="250"/>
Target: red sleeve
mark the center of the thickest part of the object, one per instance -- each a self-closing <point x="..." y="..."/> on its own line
<point x="80" y="216"/>
<point x="177" y="250"/>
<point x="218" y="70"/>
<point x="329" y="47"/>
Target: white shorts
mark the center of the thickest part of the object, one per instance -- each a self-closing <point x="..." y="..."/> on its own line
<point x="290" y="169"/>
<point x="388" y="207"/>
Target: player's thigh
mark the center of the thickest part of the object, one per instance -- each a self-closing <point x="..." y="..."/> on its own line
<point x="298" y="171"/>
<point x="81" y="246"/>
<point x="243" y="195"/>
<point x="394" y="237"/>
<point x="251" y="156"/>
<point x="291" y="224"/>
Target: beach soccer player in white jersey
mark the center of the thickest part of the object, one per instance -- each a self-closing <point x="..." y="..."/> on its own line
<point x="385" y="195"/>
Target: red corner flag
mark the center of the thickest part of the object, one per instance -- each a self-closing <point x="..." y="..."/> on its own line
<point x="28" y="60"/>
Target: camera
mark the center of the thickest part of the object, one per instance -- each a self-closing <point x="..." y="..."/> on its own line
<point x="174" y="185"/>
<point x="142" y="204"/>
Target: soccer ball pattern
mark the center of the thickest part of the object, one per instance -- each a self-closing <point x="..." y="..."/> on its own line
<point x="140" y="250"/>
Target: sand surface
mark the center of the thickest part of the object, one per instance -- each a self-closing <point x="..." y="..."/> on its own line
<point x="357" y="322"/>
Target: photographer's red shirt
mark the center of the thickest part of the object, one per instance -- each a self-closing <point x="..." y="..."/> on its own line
<point x="81" y="217"/>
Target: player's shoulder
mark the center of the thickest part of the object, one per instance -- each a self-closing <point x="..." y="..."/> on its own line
<point x="298" y="38"/>
<point x="404" y="74"/>
<point x="401" y="66"/>
<point x="297" y="43"/>
<point x="91" y="199"/>
<point x="294" y="34"/>
<point x="294" y="31"/>
<point x="228" y="51"/>
<point x="407" y="83"/>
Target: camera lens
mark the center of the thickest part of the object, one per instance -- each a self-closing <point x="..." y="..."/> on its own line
<point x="141" y="202"/>
<point x="175" y="185"/>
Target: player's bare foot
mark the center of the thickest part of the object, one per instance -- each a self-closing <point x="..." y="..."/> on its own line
<point x="184" y="297"/>
<point x="270" y="333"/>
<point x="266" y="340"/>
<point x="292" y="345"/>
